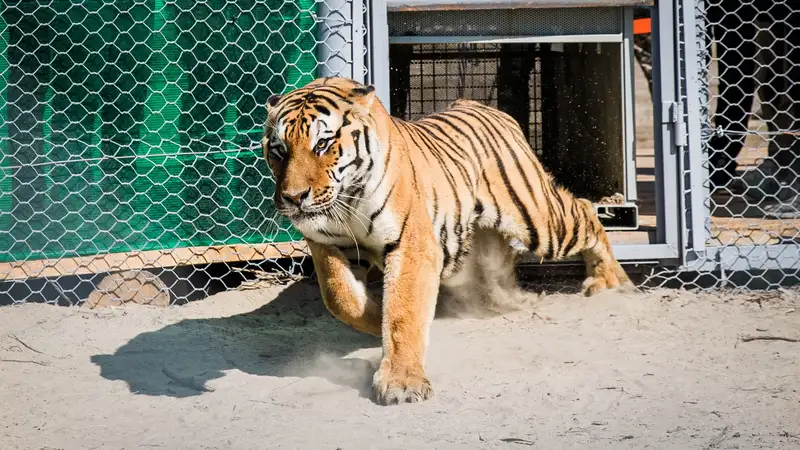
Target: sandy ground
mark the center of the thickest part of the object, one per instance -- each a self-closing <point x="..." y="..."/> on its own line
<point x="270" y="368"/>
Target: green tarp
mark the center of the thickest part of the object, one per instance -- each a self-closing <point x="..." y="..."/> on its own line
<point x="156" y="105"/>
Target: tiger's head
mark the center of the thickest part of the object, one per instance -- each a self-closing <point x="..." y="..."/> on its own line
<point x="317" y="141"/>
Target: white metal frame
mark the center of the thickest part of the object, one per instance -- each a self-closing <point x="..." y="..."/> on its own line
<point x="667" y="250"/>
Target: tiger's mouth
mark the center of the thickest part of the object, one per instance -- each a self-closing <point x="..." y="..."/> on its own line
<point x="307" y="211"/>
<point x="324" y="207"/>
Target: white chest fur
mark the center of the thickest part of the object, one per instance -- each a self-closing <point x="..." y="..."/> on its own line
<point x="354" y="224"/>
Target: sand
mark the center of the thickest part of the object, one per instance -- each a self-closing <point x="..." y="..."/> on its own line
<point x="270" y="368"/>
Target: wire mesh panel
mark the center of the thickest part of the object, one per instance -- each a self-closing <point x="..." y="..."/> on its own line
<point x="746" y="56"/>
<point x="129" y="136"/>
<point x="754" y="56"/>
<point x="129" y="157"/>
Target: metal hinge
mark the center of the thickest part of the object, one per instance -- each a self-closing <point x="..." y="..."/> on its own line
<point x="672" y="113"/>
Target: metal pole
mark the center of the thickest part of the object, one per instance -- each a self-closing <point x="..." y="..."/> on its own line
<point x="378" y="29"/>
<point x="668" y="216"/>
<point x="340" y="40"/>
<point x="698" y="193"/>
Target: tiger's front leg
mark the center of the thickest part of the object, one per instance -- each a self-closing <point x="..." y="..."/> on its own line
<point x="345" y="296"/>
<point x="411" y="286"/>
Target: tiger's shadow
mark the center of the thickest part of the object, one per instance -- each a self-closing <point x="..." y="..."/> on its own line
<point x="292" y="336"/>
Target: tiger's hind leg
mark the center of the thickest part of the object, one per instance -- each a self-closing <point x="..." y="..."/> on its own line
<point x="603" y="271"/>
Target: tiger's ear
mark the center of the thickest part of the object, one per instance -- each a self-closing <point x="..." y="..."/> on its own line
<point x="363" y="97"/>
<point x="273" y="100"/>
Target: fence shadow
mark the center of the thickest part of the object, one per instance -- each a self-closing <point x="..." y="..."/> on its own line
<point x="292" y="336"/>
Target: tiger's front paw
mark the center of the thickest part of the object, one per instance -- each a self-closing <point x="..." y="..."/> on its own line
<point x="395" y="387"/>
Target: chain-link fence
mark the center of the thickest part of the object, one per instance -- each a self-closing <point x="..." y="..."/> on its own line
<point x="740" y="72"/>
<point x="130" y="166"/>
<point x="129" y="140"/>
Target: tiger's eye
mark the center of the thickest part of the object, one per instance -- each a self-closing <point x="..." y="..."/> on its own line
<point x="322" y="144"/>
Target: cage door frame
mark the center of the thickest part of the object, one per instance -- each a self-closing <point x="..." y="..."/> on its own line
<point x="668" y="248"/>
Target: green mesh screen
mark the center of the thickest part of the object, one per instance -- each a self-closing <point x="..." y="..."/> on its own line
<point x="133" y="125"/>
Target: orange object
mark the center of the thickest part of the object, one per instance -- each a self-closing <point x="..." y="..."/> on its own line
<point x="641" y="26"/>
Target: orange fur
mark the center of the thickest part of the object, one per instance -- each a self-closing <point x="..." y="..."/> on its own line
<point x="414" y="198"/>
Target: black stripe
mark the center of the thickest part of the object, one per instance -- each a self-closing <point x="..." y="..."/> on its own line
<point x="533" y="236"/>
<point x="515" y="157"/>
<point x="507" y="181"/>
<point x="446" y="120"/>
<point x="366" y="140"/>
<point x="573" y="241"/>
<point x="377" y="213"/>
<point x="548" y="184"/>
<point x="414" y="175"/>
<point x="462" y="250"/>
<point x="422" y="147"/>
<point x="387" y="159"/>
<point x="363" y="90"/>
<point x="435" y="206"/>
<point x="447" y="139"/>
<point x="329" y="104"/>
<point x="463" y="170"/>
<point x="282" y="117"/>
<point x="593" y="223"/>
<point x="434" y="145"/>
<point x="368" y="149"/>
<point x="443" y="166"/>
<point x="557" y="215"/>
<point x="322" y="110"/>
<point x="562" y="210"/>
<point x="389" y="248"/>
<point x="342" y="168"/>
<point x="553" y="243"/>
<point x="406" y="134"/>
<point x="359" y="161"/>
<point x="458" y="230"/>
<point x="588" y="227"/>
<point x="482" y="146"/>
<point x="292" y="99"/>
<point x="358" y="192"/>
<point x="520" y="138"/>
<point x="403" y="228"/>
<point x="473" y="132"/>
<point x="392" y="246"/>
<point x="443" y="239"/>
<point x="337" y="94"/>
<point x="451" y="180"/>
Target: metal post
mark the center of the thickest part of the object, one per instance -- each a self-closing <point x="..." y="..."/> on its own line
<point x="628" y="105"/>
<point x="378" y="29"/>
<point x="699" y="209"/>
<point x="668" y="215"/>
<point x="335" y="38"/>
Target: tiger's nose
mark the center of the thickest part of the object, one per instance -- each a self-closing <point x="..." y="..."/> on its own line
<point x="295" y="198"/>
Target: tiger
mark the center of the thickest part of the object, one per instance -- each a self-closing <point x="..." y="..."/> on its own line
<point x="416" y="199"/>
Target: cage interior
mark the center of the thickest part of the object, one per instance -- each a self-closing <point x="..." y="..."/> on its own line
<point x="566" y="98"/>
